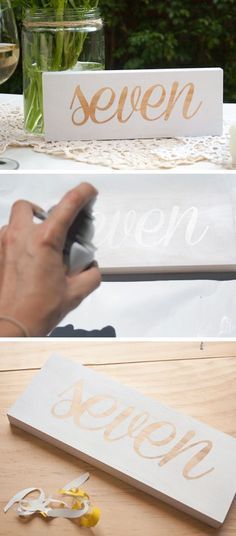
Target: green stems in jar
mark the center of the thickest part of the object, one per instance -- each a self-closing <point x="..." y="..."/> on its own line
<point x="53" y="41"/>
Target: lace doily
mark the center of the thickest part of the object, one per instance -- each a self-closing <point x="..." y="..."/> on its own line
<point x="148" y="154"/>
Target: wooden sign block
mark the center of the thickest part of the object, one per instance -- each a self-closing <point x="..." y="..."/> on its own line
<point x="157" y="449"/>
<point x="165" y="223"/>
<point x="148" y="223"/>
<point x="132" y="104"/>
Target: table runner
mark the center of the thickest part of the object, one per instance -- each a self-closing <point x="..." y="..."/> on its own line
<point x="145" y="154"/>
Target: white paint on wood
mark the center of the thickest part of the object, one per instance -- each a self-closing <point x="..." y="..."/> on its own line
<point x="157" y="449"/>
<point x="148" y="222"/>
<point x="166" y="223"/>
<point x="133" y="104"/>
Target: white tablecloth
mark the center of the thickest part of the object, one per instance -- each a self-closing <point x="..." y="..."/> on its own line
<point x="196" y="309"/>
<point x="150" y="306"/>
<point x="30" y="160"/>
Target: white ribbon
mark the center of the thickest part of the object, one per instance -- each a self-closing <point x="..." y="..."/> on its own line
<point x="77" y="482"/>
<point x="28" y="507"/>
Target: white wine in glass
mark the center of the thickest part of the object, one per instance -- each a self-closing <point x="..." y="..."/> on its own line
<point x="9" y="57"/>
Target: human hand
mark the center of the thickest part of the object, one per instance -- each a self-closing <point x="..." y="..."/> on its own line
<point x="35" y="289"/>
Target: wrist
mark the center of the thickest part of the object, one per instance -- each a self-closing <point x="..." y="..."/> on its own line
<point x="8" y="328"/>
<point x="29" y="325"/>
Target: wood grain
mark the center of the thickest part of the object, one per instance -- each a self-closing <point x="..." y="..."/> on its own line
<point x="202" y="386"/>
<point x="23" y="354"/>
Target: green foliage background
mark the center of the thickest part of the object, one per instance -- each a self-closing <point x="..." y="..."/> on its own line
<point x="166" y="33"/>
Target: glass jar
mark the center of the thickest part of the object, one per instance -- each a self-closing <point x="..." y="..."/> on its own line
<point x="57" y="41"/>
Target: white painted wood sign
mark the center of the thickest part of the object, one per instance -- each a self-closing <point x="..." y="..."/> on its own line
<point x="157" y="449"/>
<point x="165" y="223"/>
<point x="148" y="223"/>
<point x="132" y="104"/>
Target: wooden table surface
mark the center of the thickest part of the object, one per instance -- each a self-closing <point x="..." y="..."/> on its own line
<point x="196" y="378"/>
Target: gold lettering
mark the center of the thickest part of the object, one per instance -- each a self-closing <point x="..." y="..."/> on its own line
<point x="119" y="419"/>
<point x="78" y="408"/>
<point x="90" y="111"/>
<point x="73" y="402"/>
<point x="78" y="94"/>
<point x="195" y="460"/>
<point x="136" y="422"/>
<point x="188" y="99"/>
<point x="102" y="406"/>
<point x="145" y="435"/>
<point x="94" y="106"/>
<point x="135" y="96"/>
<point x="145" y="102"/>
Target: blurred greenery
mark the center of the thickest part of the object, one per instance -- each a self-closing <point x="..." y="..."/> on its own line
<point x="166" y="33"/>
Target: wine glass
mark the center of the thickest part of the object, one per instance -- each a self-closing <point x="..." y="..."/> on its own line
<point x="9" y="57"/>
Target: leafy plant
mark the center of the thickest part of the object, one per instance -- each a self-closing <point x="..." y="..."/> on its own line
<point x="173" y="33"/>
<point x="58" y="5"/>
<point x="164" y="33"/>
<point x="46" y="48"/>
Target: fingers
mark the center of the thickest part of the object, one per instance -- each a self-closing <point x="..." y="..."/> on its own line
<point x="63" y="215"/>
<point x="81" y="285"/>
<point x="21" y="214"/>
<point x="2" y="232"/>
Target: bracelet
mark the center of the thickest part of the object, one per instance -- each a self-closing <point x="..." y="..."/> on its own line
<point x="16" y="323"/>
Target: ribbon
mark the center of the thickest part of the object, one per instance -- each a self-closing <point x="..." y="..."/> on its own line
<point x="49" y="507"/>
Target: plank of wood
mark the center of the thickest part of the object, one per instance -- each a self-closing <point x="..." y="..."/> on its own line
<point x="131" y="112"/>
<point x="148" y="222"/>
<point x="21" y="354"/>
<point x="77" y="417"/>
<point x="204" y="389"/>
